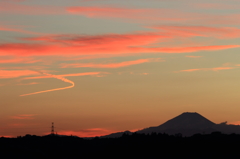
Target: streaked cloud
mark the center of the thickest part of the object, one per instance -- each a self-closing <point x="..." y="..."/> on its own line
<point x="32" y="83"/>
<point x="208" y="69"/>
<point x="62" y="78"/>
<point x="111" y="48"/>
<point x="56" y="89"/>
<point x="16" y="73"/>
<point x="68" y="75"/>
<point x="108" y="65"/>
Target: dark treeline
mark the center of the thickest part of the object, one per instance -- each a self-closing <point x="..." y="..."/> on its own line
<point x="214" y="145"/>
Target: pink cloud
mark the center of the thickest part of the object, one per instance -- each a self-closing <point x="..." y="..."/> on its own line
<point x="109" y="65"/>
<point x="116" y="44"/>
<point x="108" y="48"/>
<point x="16" y="73"/>
<point x="134" y="39"/>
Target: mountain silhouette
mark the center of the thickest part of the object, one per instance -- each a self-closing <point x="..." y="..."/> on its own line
<point x="187" y="120"/>
<point x="187" y="124"/>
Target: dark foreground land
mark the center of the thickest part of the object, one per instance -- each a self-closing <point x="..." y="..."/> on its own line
<point x="135" y="146"/>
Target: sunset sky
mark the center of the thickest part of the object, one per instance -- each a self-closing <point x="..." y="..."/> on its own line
<point x="94" y="67"/>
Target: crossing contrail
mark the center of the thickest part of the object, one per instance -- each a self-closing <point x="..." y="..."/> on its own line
<point x="56" y="89"/>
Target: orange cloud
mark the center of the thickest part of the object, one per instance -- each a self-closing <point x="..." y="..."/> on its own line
<point x="113" y="44"/>
<point x="16" y="73"/>
<point x="208" y="69"/>
<point x="88" y="132"/>
<point x="109" y="65"/>
<point x="24" y="116"/>
<point x="108" y="48"/>
<point x="110" y="40"/>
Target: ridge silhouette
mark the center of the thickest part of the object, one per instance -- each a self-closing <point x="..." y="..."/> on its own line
<point x="186" y="124"/>
<point x="146" y="143"/>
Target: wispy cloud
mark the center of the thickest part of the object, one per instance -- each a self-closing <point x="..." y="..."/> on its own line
<point x="112" y="48"/>
<point x="16" y="73"/>
<point x="32" y="83"/>
<point x="68" y="75"/>
<point x="56" y="89"/>
<point x="119" y="44"/>
<point x="62" y="78"/>
<point x="109" y="65"/>
<point x="208" y="69"/>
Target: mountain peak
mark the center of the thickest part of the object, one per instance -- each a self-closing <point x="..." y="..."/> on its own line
<point x="188" y="120"/>
<point x="187" y="123"/>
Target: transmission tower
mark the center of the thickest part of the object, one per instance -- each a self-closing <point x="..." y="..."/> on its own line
<point x="52" y="130"/>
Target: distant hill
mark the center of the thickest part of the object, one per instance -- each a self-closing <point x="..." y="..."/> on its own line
<point x="116" y="135"/>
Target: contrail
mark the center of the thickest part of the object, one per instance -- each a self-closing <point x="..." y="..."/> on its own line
<point x="56" y="89"/>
